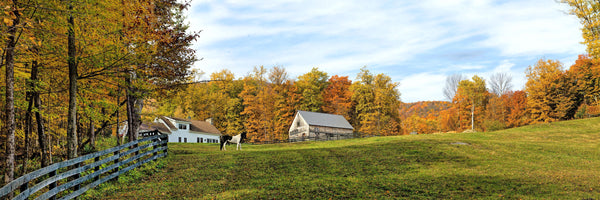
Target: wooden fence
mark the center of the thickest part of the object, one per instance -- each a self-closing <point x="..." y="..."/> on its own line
<point x="302" y="139"/>
<point x="71" y="178"/>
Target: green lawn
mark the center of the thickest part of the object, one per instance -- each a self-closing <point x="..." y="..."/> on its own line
<point x="548" y="161"/>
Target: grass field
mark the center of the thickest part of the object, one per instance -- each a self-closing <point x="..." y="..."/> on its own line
<point x="547" y="161"/>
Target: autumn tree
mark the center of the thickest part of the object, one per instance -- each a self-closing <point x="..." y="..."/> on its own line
<point x="229" y="120"/>
<point x="496" y="110"/>
<point x="71" y="61"/>
<point x="588" y="13"/>
<point x="377" y="101"/>
<point x="586" y="74"/>
<point x="552" y="94"/>
<point x="286" y="102"/>
<point x="449" y="119"/>
<point x="337" y="97"/>
<point x="9" y="60"/>
<point x="311" y="86"/>
<point x="495" y="114"/>
<point x="270" y="101"/>
<point x="471" y="99"/>
<point x="254" y="100"/>
<point x="517" y="113"/>
<point x="423" y="117"/>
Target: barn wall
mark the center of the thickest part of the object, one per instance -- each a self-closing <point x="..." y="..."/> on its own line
<point x="299" y="128"/>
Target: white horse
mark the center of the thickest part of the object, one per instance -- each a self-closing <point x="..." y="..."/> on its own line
<point x="238" y="139"/>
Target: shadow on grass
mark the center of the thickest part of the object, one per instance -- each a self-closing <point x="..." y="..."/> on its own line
<point x="424" y="169"/>
<point x="382" y="170"/>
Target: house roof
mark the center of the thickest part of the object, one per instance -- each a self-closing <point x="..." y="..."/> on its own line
<point x="324" y="119"/>
<point x="180" y="120"/>
<point x="155" y="126"/>
<point x="168" y="122"/>
<point x="195" y="125"/>
<point x="202" y="126"/>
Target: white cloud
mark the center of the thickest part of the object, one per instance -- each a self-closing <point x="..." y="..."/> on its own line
<point x="422" y="87"/>
<point x="339" y="37"/>
<point x="505" y="66"/>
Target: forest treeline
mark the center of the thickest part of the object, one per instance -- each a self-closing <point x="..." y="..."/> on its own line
<point x="264" y="102"/>
<point x="550" y="94"/>
<point x="73" y="69"/>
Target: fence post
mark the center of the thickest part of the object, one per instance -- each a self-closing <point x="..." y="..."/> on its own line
<point x="96" y="168"/>
<point x="78" y="186"/>
<point x="116" y="162"/>
<point x="166" y="144"/>
<point x="154" y="146"/>
<point x="24" y="186"/>
<point x="53" y="184"/>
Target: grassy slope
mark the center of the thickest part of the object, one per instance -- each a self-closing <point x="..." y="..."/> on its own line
<point x="549" y="161"/>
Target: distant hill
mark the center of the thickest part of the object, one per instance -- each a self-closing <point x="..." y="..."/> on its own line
<point x="423" y="109"/>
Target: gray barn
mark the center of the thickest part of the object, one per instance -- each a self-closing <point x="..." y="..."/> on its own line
<point x="319" y="126"/>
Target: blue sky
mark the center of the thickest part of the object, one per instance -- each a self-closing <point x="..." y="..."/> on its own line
<point x="416" y="42"/>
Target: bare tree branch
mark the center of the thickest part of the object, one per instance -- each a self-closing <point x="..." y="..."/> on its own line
<point x="452" y="85"/>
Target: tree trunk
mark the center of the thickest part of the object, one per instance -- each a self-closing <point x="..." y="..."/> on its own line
<point x="72" y="115"/>
<point x="42" y="137"/>
<point x="473" y="117"/>
<point x="134" y="105"/>
<point x="92" y="135"/>
<point x="43" y="140"/>
<point x="118" y="122"/>
<point x="10" y="101"/>
<point x="28" y="117"/>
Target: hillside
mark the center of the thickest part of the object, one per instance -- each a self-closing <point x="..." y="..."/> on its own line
<point x="423" y="109"/>
<point x="546" y="161"/>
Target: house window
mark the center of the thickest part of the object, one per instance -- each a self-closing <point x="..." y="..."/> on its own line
<point x="179" y="139"/>
<point x="185" y="140"/>
<point x="182" y="126"/>
<point x="197" y="140"/>
<point x="298" y="124"/>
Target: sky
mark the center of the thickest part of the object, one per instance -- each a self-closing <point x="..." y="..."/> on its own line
<point x="418" y="43"/>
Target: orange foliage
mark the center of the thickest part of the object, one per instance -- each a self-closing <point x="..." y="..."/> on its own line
<point x="337" y="97"/>
<point x="423" y="117"/>
<point x="470" y="100"/>
<point x="516" y="109"/>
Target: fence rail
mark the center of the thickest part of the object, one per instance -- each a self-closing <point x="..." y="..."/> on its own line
<point x="73" y="169"/>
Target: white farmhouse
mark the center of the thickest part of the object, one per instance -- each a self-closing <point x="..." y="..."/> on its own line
<point x="184" y="131"/>
<point x="319" y="126"/>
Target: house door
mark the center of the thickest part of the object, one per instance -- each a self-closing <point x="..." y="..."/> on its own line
<point x="185" y="140"/>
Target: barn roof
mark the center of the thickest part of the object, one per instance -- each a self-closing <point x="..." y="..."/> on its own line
<point x="324" y="119"/>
